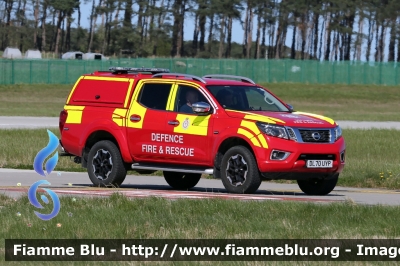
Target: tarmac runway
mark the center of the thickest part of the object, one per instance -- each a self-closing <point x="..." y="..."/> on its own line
<point x="15" y="183"/>
<point x="78" y="184"/>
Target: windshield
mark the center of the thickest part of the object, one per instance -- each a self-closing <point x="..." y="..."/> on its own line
<point x="246" y="98"/>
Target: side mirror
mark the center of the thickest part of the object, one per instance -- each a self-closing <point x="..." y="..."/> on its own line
<point x="201" y="108"/>
<point x="291" y="109"/>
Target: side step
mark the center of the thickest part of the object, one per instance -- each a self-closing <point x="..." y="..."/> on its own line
<point x="173" y="168"/>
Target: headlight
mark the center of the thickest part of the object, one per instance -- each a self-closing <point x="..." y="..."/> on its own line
<point x="338" y="133"/>
<point x="273" y="130"/>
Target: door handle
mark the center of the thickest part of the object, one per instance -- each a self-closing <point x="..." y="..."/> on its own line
<point x="135" y="118"/>
<point x="173" y="123"/>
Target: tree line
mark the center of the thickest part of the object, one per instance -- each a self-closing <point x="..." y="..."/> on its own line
<point x="333" y="30"/>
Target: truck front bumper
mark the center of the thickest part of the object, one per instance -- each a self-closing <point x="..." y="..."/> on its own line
<point x="294" y="166"/>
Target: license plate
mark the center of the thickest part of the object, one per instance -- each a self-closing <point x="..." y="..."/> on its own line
<point x="319" y="163"/>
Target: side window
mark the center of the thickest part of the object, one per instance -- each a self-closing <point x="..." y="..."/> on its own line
<point x="185" y="97"/>
<point x="155" y="96"/>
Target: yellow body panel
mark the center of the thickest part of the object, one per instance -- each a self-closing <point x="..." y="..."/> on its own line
<point x="327" y="119"/>
<point x="192" y="124"/>
<point x="74" y="114"/>
<point x="136" y="109"/>
<point x="129" y="92"/>
<point x="119" y="116"/>
<point x="107" y="79"/>
<point x="171" y="98"/>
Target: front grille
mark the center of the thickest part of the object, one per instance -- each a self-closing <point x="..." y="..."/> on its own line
<point x="310" y="135"/>
<point x="317" y="157"/>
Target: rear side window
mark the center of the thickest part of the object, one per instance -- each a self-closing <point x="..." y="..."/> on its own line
<point x="155" y="96"/>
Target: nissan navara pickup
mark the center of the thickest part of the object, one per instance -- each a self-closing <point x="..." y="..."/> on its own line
<point x="148" y="120"/>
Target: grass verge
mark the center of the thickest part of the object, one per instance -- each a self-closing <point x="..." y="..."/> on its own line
<point x="340" y="102"/>
<point x="154" y="218"/>
<point x="372" y="158"/>
<point x="33" y="100"/>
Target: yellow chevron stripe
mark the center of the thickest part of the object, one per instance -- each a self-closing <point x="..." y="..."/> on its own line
<point x="250" y="125"/>
<point x="263" y="141"/>
<point x="261" y="118"/>
<point x="327" y="119"/>
<point x="250" y="136"/>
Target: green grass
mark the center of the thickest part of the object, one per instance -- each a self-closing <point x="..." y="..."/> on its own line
<point x="33" y="100"/>
<point x="372" y="158"/>
<point x="340" y="102"/>
<point x="118" y="217"/>
<point x="156" y="218"/>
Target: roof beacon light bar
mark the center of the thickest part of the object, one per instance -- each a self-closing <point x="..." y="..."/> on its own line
<point x="138" y="70"/>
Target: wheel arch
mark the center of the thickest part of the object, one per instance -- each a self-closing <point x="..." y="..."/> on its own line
<point x="112" y="133"/>
<point x="228" y="143"/>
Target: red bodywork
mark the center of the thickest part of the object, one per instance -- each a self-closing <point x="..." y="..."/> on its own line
<point x="106" y="103"/>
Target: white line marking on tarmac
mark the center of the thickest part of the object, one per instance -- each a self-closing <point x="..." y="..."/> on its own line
<point x="164" y="194"/>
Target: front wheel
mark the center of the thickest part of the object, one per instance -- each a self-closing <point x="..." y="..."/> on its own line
<point x="181" y="181"/>
<point x="239" y="171"/>
<point x="318" y="187"/>
<point x="105" y="164"/>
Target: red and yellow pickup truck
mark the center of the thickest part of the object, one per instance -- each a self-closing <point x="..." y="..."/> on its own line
<point x="148" y="119"/>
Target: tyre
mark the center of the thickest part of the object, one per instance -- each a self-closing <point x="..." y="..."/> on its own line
<point x="181" y="181"/>
<point x="217" y="165"/>
<point x="217" y="173"/>
<point x="239" y="171"/>
<point x="318" y="187"/>
<point x="105" y="164"/>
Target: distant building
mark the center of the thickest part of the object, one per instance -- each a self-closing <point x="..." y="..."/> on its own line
<point x="12" y="53"/>
<point x="33" y="54"/>
<point x="94" y="56"/>
<point x="73" y="55"/>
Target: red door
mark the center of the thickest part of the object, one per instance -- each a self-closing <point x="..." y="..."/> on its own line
<point x="147" y="120"/>
<point x="190" y="141"/>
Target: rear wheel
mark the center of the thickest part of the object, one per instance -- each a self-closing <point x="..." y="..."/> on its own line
<point x="181" y="181"/>
<point x="318" y="187"/>
<point x="239" y="171"/>
<point x="105" y="164"/>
